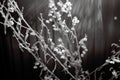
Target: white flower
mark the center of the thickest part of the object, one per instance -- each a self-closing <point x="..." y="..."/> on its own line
<point x="50" y="20"/>
<point x="48" y="78"/>
<point x="83" y="40"/>
<point x="36" y="48"/>
<point x="59" y="39"/>
<point x="32" y="33"/>
<point x="37" y="63"/>
<point x="58" y="15"/>
<point x="50" y="14"/>
<point x="51" y="11"/>
<point x="69" y="14"/>
<point x="50" y="39"/>
<point x="41" y="66"/>
<point x="56" y="49"/>
<point x="72" y="28"/>
<point x="82" y="55"/>
<point x="60" y="3"/>
<point x="115" y="17"/>
<point x="75" y="21"/>
<point x="67" y="7"/>
<point x="52" y="45"/>
<point x="66" y="31"/>
<point x="60" y="45"/>
<point x="69" y="66"/>
<point x="84" y="52"/>
<point x="62" y="57"/>
<point x="114" y="73"/>
<point x="35" y="67"/>
<point x="11" y="9"/>
<point x="63" y="51"/>
<point x="47" y="21"/>
<point x="54" y="26"/>
<point x="51" y="3"/>
<point x="11" y="23"/>
<point x="60" y="53"/>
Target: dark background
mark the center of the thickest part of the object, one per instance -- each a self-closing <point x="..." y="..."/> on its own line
<point x="17" y="65"/>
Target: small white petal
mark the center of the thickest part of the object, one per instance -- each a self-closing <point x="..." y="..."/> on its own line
<point x="32" y="33"/>
<point x="35" y="67"/>
<point x="47" y="21"/>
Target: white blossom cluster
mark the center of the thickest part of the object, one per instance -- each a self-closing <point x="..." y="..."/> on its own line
<point x="75" y="21"/>
<point x="83" y="45"/>
<point x="65" y="7"/>
<point x="55" y="12"/>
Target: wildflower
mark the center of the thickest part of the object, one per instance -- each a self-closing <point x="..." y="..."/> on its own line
<point x="62" y="57"/>
<point x="54" y="26"/>
<point x="47" y="21"/>
<point x="115" y="18"/>
<point x="83" y="53"/>
<point x="72" y="28"/>
<point x="59" y="39"/>
<point x="35" y="67"/>
<point x="50" y="20"/>
<point x="63" y="24"/>
<point x="45" y="68"/>
<point x="32" y="33"/>
<point x="41" y="66"/>
<point x="56" y="29"/>
<point x="69" y="66"/>
<point x="50" y="39"/>
<point x="54" y="16"/>
<point x="114" y="73"/>
<point x="37" y="63"/>
<point x="60" y="45"/>
<point x="67" y="7"/>
<point x="51" y="3"/>
<point x="19" y="21"/>
<point x="11" y="23"/>
<point x="35" y="48"/>
<point x="66" y="30"/>
<point x="52" y="45"/>
<point x="69" y="14"/>
<point x="75" y="21"/>
<point x="60" y="3"/>
<point x="45" y="46"/>
<point x="58" y="15"/>
<point x="56" y="49"/>
<point x="51" y="13"/>
<point x="59" y="52"/>
<point x="10" y="8"/>
<point x="47" y="77"/>
<point x="63" y="51"/>
<point x="83" y="40"/>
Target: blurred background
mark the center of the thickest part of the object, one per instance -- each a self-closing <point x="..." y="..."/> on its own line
<point x="99" y="19"/>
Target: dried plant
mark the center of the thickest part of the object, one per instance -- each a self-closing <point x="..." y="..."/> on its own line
<point x="55" y="51"/>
